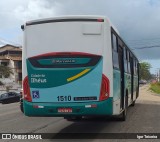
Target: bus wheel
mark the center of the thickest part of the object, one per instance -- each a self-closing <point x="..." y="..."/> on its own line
<point x="123" y="115"/>
<point x="133" y="103"/>
<point x="73" y="118"/>
<point x="21" y="106"/>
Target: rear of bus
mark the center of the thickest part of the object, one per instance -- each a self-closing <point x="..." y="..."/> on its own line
<point x="63" y="68"/>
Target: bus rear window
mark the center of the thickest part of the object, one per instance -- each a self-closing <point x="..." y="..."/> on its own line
<point x="63" y="61"/>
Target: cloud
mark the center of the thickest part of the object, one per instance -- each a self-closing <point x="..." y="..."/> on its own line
<point x="135" y="19"/>
<point x="17" y="12"/>
<point x="36" y="9"/>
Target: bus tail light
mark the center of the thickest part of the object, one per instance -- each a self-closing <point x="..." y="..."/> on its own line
<point x="26" y="90"/>
<point x="105" y="88"/>
<point x="100" y="20"/>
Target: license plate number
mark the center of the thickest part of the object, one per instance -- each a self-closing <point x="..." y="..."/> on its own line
<point x="64" y="110"/>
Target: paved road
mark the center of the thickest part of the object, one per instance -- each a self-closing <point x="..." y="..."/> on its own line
<point x="144" y="117"/>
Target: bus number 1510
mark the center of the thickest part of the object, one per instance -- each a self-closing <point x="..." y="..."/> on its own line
<point x="64" y="98"/>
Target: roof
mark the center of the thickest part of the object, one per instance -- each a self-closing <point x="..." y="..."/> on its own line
<point x="9" y="45"/>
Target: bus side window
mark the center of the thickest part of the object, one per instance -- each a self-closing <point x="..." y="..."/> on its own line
<point x="128" y="60"/>
<point x="115" y="51"/>
<point x="114" y="42"/>
<point x="135" y="67"/>
<point x="125" y="60"/>
<point x="132" y="60"/>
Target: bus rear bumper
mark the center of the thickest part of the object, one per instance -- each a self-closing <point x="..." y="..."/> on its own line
<point x="78" y="109"/>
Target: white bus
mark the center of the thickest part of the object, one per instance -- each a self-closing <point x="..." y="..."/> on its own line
<point x="77" y="66"/>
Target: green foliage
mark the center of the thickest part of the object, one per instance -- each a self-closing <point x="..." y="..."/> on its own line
<point x="145" y="71"/>
<point x="155" y="87"/>
<point x="5" y="71"/>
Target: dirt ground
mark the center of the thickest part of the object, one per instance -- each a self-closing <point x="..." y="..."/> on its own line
<point x="147" y="95"/>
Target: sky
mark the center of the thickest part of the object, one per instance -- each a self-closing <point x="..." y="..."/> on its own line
<point x="137" y="21"/>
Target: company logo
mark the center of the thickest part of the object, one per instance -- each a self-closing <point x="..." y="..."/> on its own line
<point x="38" y="80"/>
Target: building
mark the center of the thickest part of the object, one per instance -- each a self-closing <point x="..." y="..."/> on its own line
<point x="11" y="56"/>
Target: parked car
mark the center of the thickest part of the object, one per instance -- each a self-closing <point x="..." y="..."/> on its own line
<point x="142" y="82"/>
<point x="9" y="97"/>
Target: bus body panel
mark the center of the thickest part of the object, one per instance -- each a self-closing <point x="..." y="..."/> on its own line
<point x="56" y="88"/>
<point x="79" y="109"/>
<point x="107" y="54"/>
<point x="127" y="88"/>
<point x="116" y="84"/>
<point x="116" y="92"/>
<point x="48" y="38"/>
<point x="135" y="87"/>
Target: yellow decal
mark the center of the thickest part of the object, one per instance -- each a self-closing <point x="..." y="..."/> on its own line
<point x="78" y="75"/>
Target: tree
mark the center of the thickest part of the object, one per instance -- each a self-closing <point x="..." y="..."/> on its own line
<point x="145" y="71"/>
<point x="5" y="71"/>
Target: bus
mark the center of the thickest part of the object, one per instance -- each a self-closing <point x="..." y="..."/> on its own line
<point x="77" y="66"/>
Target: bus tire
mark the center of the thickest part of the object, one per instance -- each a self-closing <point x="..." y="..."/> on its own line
<point x="133" y="103"/>
<point x="21" y="106"/>
<point x="123" y="115"/>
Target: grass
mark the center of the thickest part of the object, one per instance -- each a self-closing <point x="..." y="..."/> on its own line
<point x="155" y="87"/>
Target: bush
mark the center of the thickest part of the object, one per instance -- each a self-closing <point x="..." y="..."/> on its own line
<point x="155" y="87"/>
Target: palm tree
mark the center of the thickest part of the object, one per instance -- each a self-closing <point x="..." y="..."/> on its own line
<point x="5" y="71"/>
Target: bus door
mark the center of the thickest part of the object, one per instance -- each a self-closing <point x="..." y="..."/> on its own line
<point x="121" y="67"/>
<point x="137" y="93"/>
<point x="132" y="76"/>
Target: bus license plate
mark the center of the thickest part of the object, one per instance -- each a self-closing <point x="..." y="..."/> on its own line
<point x="64" y="110"/>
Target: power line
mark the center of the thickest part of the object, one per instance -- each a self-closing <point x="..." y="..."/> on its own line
<point x="145" y="47"/>
<point x="145" y="42"/>
<point x="143" y="39"/>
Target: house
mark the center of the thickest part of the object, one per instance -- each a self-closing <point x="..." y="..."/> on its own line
<point x="11" y="56"/>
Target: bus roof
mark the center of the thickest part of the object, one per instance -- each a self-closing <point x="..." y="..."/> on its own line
<point x="74" y="17"/>
<point x="71" y="18"/>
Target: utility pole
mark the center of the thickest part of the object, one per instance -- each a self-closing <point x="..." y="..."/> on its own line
<point x="159" y="75"/>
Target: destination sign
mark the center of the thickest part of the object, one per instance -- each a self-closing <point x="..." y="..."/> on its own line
<point x="61" y="61"/>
